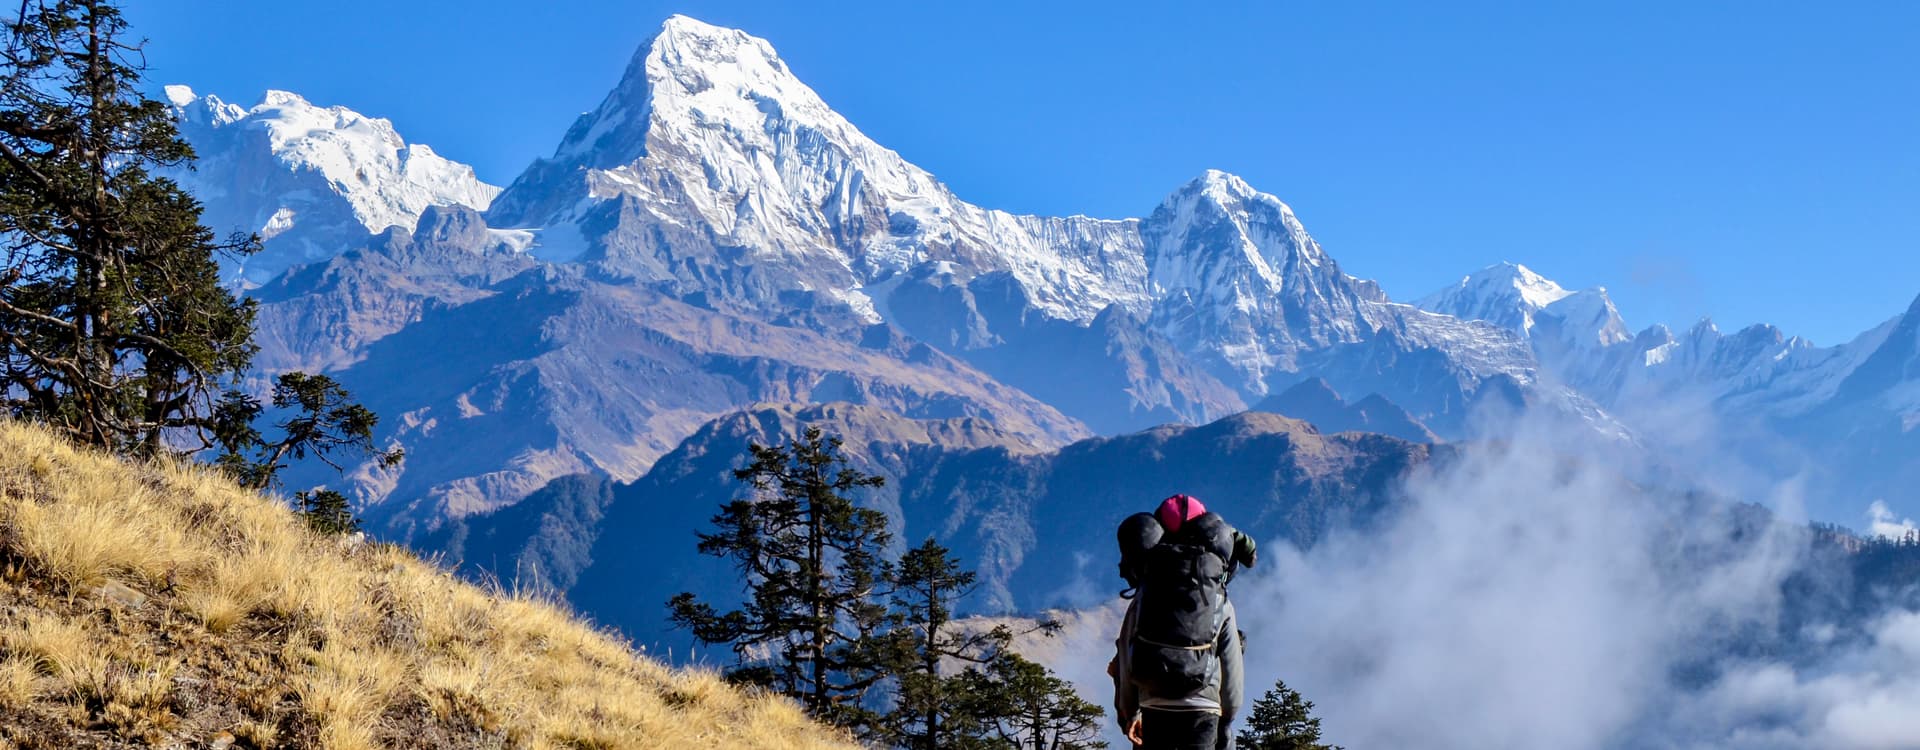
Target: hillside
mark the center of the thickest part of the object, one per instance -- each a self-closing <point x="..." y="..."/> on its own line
<point x="1037" y="525"/>
<point x="159" y="605"/>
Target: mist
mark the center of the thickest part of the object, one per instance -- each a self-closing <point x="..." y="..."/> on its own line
<point x="1536" y="592"/>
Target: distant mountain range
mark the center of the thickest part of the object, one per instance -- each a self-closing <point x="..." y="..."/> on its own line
<point x="311" y="181"/>
<point x="1315" y="402"/>
<point x="1032" y="523"/>
<point x="714" y="237"/>
<point x="1843" y="418"/>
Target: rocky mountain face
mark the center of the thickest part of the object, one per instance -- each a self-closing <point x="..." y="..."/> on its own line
<point x="499" y="373"/>
<point x="1315" y="402"/>
<point x="540" y="544"/>
<point x="1037" y="525"/>
<point x="713" y="235"/>
<point x="1865" y="437"/>
<point x="311" y="181"/>
<point x="1843" y="416"/>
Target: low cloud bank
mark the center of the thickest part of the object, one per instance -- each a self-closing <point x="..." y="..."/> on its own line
<point x="1861" y="696"/>
<point x="1531" y="594"/>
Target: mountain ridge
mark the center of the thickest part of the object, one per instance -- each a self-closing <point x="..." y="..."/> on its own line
<point x="715" y="184"/>
<point x="1020" y="514"/>
<point x="314" y="181"/>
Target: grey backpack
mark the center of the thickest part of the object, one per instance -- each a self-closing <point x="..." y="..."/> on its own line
<point x="1181" y="601"/>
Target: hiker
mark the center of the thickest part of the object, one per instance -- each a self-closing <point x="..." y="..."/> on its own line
<point x="1177" y="679"/>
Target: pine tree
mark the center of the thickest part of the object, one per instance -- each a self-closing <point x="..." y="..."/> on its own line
<point x="1282" y="720"/>
<point x="1028" y="707"/>
<point x="322" y="418"/>
<point x="932" y="710"/>
<point x="115" y="328"/>
<point x="326" y="511"/>
<point x="811" y="627"/>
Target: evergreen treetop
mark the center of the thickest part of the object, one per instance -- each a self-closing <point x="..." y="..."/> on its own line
<point x="114" y="328"/>
<point x="1282" y="720"/>
<point x="812" y="559"/>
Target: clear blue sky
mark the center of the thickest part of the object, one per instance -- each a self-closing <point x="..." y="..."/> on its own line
<point x="1755" y="161"/>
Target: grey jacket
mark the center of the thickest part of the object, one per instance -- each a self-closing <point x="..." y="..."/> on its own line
<point x="1224" y="696"/>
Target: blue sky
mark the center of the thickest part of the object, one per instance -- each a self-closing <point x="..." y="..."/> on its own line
<point x="1755" y="161"/>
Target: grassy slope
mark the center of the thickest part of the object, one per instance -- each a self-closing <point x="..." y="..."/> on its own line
<point x="159" y="605"/>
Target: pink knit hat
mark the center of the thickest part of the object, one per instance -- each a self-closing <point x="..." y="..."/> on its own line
<point x="1177" y="510"/>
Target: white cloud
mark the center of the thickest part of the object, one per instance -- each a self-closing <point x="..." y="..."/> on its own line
<point x="1881" y="522"/>
<point x="1529" y="594"/>
<point x="1862" y="698"/>
<point x="1526" y="598"/>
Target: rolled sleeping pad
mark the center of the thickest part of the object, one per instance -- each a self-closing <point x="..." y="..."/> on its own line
<point x="1137" y="534"/>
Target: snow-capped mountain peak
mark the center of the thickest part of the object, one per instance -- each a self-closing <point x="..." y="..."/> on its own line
<point x="710" y="129"/>
<point x="1250" y="229"/>
<point x="720" y="93"/>
<point x="191" y="109"/>
<point x="698" y="74"/>
<point x="312" y="181"/>
<point x="710" y="165"/>
<point x="1514" y="297"/>
<point x="1534" y="289"/>
<point x="1506" y="294"/>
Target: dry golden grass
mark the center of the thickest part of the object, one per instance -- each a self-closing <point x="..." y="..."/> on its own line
<point x="19" y="684"/>
<point x="160" y="605"/>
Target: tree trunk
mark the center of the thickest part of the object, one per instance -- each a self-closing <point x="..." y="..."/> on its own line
<point x="95" y="361"/>
<point x="816" y="560"/>
<point x="932" y="663"/>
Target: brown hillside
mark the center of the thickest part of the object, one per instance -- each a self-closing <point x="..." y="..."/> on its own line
<point x="161" y="606"/>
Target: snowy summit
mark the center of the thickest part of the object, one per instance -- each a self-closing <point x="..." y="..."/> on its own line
<point x="709" y="139"/>
<point x="311" y="181"/>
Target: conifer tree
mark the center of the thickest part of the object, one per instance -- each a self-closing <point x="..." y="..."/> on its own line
<point x="1282" y="720"/>
<point x="1030" y="708"/>
<point x="933" y="709"/>
<point x="321" y="419"/>
<point x="114" y="327"/>
<point x="326" y="511"/>
<point x="811" y="625"/>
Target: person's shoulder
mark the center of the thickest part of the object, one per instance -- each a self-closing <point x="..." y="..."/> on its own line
<point x="1214" y="529"/>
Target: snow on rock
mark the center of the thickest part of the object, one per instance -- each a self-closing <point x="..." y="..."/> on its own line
<point x="1580" y="339"/>
<point x="1588" y="319"/>
<point x="1509" y="295"/>
<point x="1757" y="371"/>
<point x="1232" y="269"/>
<point x="710" y="147"/>
<point x="311" y="181"/>
<point x="710" y="129"/>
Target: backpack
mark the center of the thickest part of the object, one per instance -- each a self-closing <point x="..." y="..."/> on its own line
<point x="1181" y="608"/>
<point x="1139" y="533"/>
